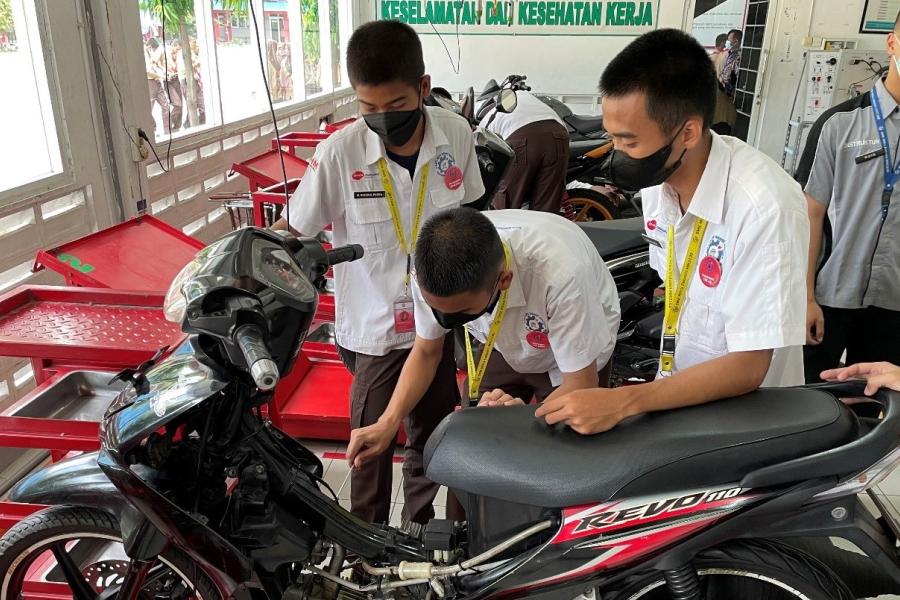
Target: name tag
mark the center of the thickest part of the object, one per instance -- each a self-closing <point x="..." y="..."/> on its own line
<point x="363" y="195"/>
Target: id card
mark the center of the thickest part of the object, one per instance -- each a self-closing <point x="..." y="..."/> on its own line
<point x="404" y="315"/>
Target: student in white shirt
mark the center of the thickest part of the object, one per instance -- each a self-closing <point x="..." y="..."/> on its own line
<point x="529" y="286"/>
<point x="537" y="178"/>
<point x="421" y="160"/>
<point x="742" y="319"/>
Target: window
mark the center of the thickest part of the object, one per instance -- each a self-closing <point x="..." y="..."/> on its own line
<point x="280" y="50"/>
<point x="178" y="72"/>
<point x="312" y="47"/>
<point x="241" y="87"/>
<point x="216" y="78"/>
<point x="31" y="148"/>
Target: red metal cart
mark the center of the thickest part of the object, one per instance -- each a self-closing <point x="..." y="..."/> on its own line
<point x="299" y="139"/>
<point x="143" y="253"/>
<point x="333" y="127"/>
<point x="264" y="170"/>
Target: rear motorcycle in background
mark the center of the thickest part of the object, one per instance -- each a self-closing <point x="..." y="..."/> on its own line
<point x="590" y="193"/>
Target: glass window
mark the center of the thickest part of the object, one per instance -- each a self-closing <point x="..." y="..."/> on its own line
<point x="241" y="86"/>
<point x="178" y="72"/>
<point x="279" y="52"/>
<point x="312" y="47"/>
<point x="336" y="54"/>
<point x="30" y="150"/>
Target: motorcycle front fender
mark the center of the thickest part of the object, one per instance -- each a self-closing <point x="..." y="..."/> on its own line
<point x="77" y="481"/>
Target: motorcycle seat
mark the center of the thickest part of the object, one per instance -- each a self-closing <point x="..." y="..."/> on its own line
<point x="612" y="238"/>
<point x="584" y="124"/>
<point x="510" y="455"/>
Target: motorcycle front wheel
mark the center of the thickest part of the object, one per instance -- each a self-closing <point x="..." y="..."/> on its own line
<point x="77" y="552"/>
<point x="749" y="570"/>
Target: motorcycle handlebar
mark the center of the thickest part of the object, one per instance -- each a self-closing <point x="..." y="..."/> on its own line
<point x="343" y="254"/>
<point x="263" y="370"/>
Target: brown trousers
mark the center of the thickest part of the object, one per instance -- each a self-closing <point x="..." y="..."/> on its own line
<point x="374" y="379"/>
<point x="537" y="178"/>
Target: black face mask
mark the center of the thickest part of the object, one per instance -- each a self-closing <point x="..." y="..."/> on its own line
<point x="633" y="174"/>
<point x="396" y="127"/>
<point x="454" y="320"/>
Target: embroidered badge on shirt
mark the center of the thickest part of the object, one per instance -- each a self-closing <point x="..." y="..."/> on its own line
<point x="537" y="336"/>
<point x="716" y="248"/>
<point x="443" y="162"/>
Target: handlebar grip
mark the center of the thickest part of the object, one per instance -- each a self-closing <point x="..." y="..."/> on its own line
<point x="263" y="370"/>
<point x="343" y="254"/>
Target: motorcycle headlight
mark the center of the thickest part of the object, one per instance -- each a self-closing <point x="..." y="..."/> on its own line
<point x="175" y="304"/>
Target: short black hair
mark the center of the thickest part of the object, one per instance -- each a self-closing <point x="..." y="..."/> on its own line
<point x="738" y="34"/>
<point x="672" y="70"/>
<point x="458" y="251"/>
<point x="721" y="39"/>
<point x="897" y="21"/>
<point x="384" y="51"/>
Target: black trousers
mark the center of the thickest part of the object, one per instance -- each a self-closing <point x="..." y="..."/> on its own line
<point x="867" y="334"/>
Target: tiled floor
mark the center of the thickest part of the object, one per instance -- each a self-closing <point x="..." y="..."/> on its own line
<point x="337" y="476"/>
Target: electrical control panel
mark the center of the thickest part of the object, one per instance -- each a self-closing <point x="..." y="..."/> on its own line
<point x="835" y="76"/>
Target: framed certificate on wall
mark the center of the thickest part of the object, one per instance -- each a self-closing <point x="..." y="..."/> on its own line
<point x="879" y="16"/>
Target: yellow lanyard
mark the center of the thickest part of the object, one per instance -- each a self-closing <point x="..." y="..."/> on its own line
<point x="675" y="296"/>
<point x="477" y="374"/>
<point x="388" y="184"/>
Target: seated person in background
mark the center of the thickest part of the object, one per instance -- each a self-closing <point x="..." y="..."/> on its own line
<point x="729" y="236"/>
<point x="530" y="286"/>
<point x="537" y="178"/>
<point x="376" y="181"/>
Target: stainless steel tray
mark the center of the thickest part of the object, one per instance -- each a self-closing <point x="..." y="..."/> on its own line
<point x="77" y="396"/>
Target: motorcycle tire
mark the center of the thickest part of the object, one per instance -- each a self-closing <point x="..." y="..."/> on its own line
<point x="31" y="537"/>
<point x="748" y="570"/>
<point x="590" y="205"/>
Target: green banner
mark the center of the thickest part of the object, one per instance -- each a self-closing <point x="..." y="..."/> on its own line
<point x="523" y="17"/>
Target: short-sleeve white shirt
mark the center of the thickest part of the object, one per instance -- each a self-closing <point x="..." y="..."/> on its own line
<point x="563" y="308"/>
<point x="758" y="232"/>
<point x="342" y="186"/>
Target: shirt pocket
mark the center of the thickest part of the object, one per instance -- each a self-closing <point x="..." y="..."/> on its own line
<point x="369" y="225"/>
<point x="443" y="197"/>
<point x="702" y="324"/>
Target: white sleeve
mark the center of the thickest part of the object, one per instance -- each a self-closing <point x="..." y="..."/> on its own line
<point x="579" y="330"/>
<point x="426" y="325"/>
<point x="318" y="200"/>
<point x="472" y="182"/>
<point x="764" y="299"/>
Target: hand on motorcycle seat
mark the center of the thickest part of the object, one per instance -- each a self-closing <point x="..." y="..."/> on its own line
<point x="877" y="375"/>
<point x="498" y="397"/>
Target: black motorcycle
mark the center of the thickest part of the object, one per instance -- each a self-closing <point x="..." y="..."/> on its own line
<point x="195" y="494"/>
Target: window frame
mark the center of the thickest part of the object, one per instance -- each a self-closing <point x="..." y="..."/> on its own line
<point x="23" y="194"/>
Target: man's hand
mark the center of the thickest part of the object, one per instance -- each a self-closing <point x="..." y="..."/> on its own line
<point x="877" y="375"/>
<point x="588" y="411"/>
<point x="498" y="397"/>
<point x="368" y="442"/>
<point x="815" y="323"/>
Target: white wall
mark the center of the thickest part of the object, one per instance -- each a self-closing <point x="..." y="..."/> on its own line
<point x="794" y="21"/>
<point x="572" y="65"/>
<point x="560" y="65"/>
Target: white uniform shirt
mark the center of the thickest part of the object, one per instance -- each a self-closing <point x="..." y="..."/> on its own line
<point x="342" y="186"/>
<point x="529" y="109"/>
<point x="563" y="308"/>
<point x="759" y="233"/>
